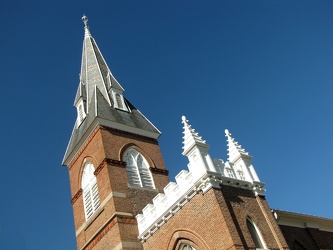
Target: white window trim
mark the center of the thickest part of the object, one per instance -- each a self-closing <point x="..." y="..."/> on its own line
<point x="121" y="99"/>
<point x="258" y="234"/>
<point x="137" y="175"/>
<point x="90" y="194"/>
<point x="81" y="114"/>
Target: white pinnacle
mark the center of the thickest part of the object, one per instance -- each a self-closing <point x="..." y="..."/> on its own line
<point x="191" y="137"/>
<point x="234" y="149"/>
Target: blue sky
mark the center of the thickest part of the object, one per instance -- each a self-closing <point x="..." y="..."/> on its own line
<point x="262" y="69"/>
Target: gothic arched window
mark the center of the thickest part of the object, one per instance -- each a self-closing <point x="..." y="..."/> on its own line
<point x="90" y="190"/>
<point x="138" y="169"/>
<point x="186" y="247"/>
<point x="255" y="234"/>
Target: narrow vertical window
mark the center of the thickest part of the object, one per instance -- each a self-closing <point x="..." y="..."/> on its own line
<point x="119" y="101"/>
<point x="230" y="173"/>
<point x="255" y="234"/>
<point x="91" y="200"/>
<point x="138" y="170"/>
<point x="80" y="113"/>
<point x="241" y="175"/>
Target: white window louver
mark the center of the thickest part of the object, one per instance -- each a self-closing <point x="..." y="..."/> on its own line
<point x="80" y="113"/>
<point x="90" y="190"/>
<point x="119" y="101"/>
<point x="138" y="170"/>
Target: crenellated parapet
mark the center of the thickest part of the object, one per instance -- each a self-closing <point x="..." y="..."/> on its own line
<point x="177" y="194"/>
<point x="203" y="175"/>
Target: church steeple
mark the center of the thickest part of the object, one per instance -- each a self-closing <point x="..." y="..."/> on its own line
<point x="100" y="101"/>
<point x="114" y="161"/>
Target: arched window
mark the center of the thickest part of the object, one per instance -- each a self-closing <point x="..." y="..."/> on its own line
<point x="186" y="247"/>
<point x="90" y="190"/>
<point x="138" y="169"/>
<point x="255" y="234"/>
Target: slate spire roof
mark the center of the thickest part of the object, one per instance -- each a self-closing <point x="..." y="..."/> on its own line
<point x="99" y="100"/>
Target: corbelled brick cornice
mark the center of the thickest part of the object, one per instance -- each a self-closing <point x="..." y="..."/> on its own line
<point x="111" y="162"/>
<point x="84" y="146"/>
<point x="159" y="171"/>
<point x="128" y="133"/>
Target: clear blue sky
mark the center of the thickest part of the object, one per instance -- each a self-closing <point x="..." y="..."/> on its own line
<point x="262" y="69"/>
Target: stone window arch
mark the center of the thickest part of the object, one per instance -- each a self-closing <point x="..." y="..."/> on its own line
<point x="91" y="200"/>
<point x="255" y="234"/>
<point x="137" y="169"/>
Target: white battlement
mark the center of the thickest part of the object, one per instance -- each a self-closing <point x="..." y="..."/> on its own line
<point x="203" y="175"/>
<point x="177" y="194"/>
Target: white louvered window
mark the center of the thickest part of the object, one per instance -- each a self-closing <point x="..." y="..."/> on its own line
<point x="90" y="190"/>
<point x="138" y="170"/>
<point x="119" y="101"/>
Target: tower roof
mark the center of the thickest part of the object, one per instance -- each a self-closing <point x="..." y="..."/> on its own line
<point x="234" y="149"/>
<point x="102" y="99"/>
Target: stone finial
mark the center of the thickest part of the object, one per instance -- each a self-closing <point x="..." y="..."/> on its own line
<point x="85" y="20"/>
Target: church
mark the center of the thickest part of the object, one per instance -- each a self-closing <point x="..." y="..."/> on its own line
<point x="122" y="197"/>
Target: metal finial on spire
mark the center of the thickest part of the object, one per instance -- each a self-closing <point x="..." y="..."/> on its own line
<point x="85" y="20"/>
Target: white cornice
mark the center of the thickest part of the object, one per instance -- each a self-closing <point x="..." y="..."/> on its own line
<point x="303" y="220"/>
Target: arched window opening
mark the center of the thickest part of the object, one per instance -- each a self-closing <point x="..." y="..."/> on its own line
<point x="255" y="234"/>
<point x="138" y="169"/>
<point x="186" y="247"/>
<point x="91" y="200"/>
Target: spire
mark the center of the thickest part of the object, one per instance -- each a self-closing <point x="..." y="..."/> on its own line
<point x="95" y="71"/>
<point x="196" y="150"/>
<point x="234" y="149"/>
<point x="99" y="100"/>
<point x="191" y="138"/>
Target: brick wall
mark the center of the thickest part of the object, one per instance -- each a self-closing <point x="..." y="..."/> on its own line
<point x="217" y="220"/>
<point x="307" y="238"/>
<point x="105" y="148"/>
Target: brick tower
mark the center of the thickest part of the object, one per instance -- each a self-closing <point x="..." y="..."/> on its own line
<point x="113" y="158"/>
